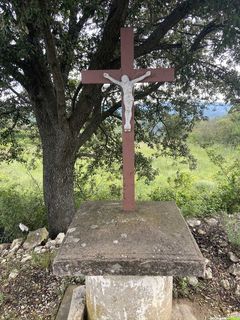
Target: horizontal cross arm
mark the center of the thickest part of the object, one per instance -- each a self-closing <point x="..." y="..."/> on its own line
<point x="157" y="75"/>
<point x="96" y="76"/>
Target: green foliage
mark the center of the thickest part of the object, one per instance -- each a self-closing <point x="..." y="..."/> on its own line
<point x="182" y="287"/>
<point x="19" y="205"/>
<point x="43" y="260"/>
<point x="225" y="131"/>
<point x="191" y="36"/>
<point x="201" y="198"/>
<point x="228" y="179"/>
<point x="192" y="197"/>
<point x="93" y="183"/>
<point x="2" y="298"/>
<point x="233" y="318"/>
<point x="232" y="228"/>
<point x="44" y="44"/>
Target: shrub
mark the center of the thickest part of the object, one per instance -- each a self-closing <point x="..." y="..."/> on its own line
<point x="191" y="197"/>
<point x="225" y="131"/>
<point x="18" y="205"/>
<point x="228" y="179"/>
<point x="232" y="228"/>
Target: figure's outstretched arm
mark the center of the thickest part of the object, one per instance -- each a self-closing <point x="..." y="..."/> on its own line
<point x="106" y="75"/>
<point x="147" y="74"/>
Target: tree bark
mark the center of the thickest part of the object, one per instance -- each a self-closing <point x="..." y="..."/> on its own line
<point x="58" y="182"/>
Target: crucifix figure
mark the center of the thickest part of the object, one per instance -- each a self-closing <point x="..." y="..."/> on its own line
<point x="127" y="90"/>
<point x="126" y="77"/>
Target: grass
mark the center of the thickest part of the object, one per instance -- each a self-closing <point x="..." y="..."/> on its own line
<point x="196" y="191"/>
<point x="205" y="173"/>
<point x="18" y="174"/>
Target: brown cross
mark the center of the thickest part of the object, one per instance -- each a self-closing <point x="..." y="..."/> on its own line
<point x="157" y="75"/>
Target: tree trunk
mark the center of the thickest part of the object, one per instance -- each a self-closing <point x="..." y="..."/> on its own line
<point x="58" y="182"/>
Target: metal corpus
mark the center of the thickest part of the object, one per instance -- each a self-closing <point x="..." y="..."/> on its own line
<point x="127" y="68"/>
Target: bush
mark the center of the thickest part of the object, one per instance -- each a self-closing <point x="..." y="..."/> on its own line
<point x="232" y="227"/>
<point x="17" y="205"/>
<point x="194" y="199"/>
<point x="228" y="179"/>
<point x="225" y="131"/>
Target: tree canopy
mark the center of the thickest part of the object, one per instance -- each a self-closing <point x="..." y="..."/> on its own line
<point x="44" y="45"/>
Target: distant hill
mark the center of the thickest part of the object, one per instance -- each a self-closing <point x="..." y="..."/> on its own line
<point x="217" y="110"/>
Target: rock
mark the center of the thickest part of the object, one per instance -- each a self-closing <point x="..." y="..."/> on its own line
<point x="201" y="232"/>
<point x="234" y="269"/>
<point x="193" y="222"/>
<point x="40" y="249"/>
<point x="50" y="243"/>
<point x="4" y="246"/>
<point x="225" y="284"/>
<point x="37" y="249"/>
<point x="212" y="222"/>
<point x="16" y="244"/>
<point x="208" y="273"/>
<point x="235" y="314"/>
<point x="77" y="306"/>
<point x="223" y="243"/>
<point x="233" y="257"/>
<point x="13" y="274"/>
<point x="237" y="291"/>
<point x="26" y="258"/>
<point x="35" y="238"/>
<point x="94" y="226"/>
<point x="23" y="228"/>
<point x="60" y="237"/>
<point x="193" y="281"/>
<point x="116" y="268"/>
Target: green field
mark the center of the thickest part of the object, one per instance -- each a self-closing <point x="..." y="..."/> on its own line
<point x="205" y="190"/>
<point x="15" y="173"/>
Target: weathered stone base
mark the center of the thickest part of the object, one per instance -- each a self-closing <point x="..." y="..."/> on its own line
<point x="129" y="297"/>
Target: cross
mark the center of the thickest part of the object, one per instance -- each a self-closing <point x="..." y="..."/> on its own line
<point x="126" y="83"/>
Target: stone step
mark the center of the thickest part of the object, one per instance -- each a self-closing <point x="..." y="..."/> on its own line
<point x="73" y="304"/>
<point x="73" y="307"/>
<point x="182" y="311"/>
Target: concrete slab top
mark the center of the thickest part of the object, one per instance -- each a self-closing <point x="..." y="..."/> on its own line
<point x="153" y="240"/>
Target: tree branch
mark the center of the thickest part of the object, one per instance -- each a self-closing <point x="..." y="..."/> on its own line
<point x="210" y="27"/>
<point x="104" y="54"/>
<point x="170" y="21"/>
<point x="116" y="18"/>
<point x="74" y="29"/>
<point x="21" y="97"/>
<point x="54" y="65"/>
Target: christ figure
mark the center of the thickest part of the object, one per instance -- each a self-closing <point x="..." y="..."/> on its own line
<point x="127" y="88"/>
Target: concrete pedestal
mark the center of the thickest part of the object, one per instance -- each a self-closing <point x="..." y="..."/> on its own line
<point x="129" y="258"/>
<point x="129" y="298"/>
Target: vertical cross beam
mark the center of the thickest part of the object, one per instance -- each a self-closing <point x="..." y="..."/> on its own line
<point x="127" y="59"/>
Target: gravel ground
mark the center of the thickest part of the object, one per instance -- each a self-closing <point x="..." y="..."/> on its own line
<point x="30" y="291"/>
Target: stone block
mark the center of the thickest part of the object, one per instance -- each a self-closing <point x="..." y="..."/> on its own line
<point x="77" y="306"/>
<point x="129" y="298"/>
<point x="153" y="240"/>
